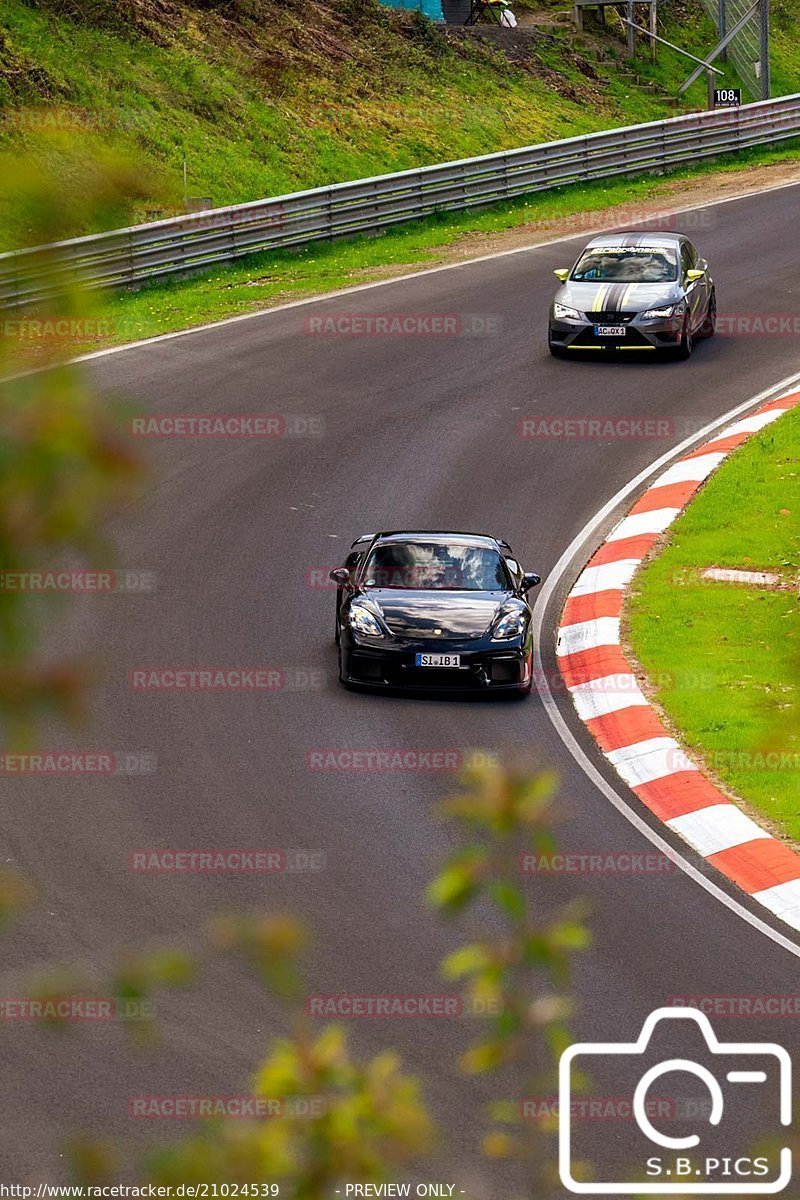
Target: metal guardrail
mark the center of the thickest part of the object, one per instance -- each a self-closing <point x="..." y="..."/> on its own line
<point x="178" y="244"/>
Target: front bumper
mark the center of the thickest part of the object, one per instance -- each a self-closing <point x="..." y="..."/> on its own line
<point x="485" y="668"/>
<point x="661" y="333"/>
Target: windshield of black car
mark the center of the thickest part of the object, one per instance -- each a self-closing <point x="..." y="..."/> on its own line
<point x="436" y="566"/>
<point x="627" y="264"/>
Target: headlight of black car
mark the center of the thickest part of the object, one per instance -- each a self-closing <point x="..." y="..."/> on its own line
<point x="509" y="624"/>
<point x="363" y="621"/>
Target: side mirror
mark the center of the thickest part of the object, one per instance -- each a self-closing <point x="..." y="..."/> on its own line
<point x="693" y="276"/>
<point x="529" y="580"/>
<point x="561" y="273"/>
<point x="340" y="575"/>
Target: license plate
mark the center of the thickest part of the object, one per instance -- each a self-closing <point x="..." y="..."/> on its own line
<point x="609" y="331"/>
<point x="438" y="660"/>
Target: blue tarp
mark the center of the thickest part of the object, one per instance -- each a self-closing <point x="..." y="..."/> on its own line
<point x="431" y="8"/>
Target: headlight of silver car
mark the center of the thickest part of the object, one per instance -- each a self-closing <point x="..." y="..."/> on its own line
<point x="364" y="622"/>
<point x="563" y="311"/>
<point x="668" y="310"/>
<point x="509" y="625"/>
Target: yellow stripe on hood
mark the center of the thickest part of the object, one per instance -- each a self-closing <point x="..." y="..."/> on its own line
<point x="627" y="294"/>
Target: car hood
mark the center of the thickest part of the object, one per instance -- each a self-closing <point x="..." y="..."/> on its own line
<point x="459" y="614"/>
<point x="618" y="297"/>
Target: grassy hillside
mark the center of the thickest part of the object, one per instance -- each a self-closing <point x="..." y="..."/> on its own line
<point x="267" y="96"/>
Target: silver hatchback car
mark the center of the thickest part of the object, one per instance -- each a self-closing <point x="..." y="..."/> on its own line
<point x="633" y="291"/>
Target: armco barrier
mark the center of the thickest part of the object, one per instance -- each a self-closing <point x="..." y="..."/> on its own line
<point x="141" y="252"/>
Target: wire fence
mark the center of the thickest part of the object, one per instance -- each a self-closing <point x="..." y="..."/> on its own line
<point x="745" y="49"/>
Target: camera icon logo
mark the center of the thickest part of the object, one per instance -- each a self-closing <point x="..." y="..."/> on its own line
<point x="689" y="1164"/>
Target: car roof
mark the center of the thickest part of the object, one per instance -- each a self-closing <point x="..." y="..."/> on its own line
<point x="637" y="237"/>
<point x="437" y="535"/>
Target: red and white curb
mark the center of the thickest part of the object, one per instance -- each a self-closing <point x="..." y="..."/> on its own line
<point x="620" y="718"/>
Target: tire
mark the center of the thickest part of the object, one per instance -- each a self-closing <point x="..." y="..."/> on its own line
<point x="709" y="326"/>
<point x="336" y="634"/>
<point x="556" y="351"/>
<point x="686" y="344"/>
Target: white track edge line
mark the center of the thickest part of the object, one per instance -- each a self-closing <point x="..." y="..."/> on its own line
<point x="551" y="707"/>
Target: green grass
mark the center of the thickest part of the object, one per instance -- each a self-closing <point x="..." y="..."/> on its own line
<point x="263" y="97"/>
<point x="732" y="653"/>
<point x="306" y="96"/>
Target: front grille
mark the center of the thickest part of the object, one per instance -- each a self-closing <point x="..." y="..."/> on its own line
<point x="436" y="679"/>
<point x="610" y="318"/>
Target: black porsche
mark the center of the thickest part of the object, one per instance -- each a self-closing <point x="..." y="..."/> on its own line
<point x="434" y="611"/>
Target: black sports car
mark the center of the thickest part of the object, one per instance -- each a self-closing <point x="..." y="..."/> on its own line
<point x="633" y="291"/>
<point x="434" y="611"/>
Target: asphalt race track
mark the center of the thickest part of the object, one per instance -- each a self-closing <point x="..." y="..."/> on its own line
<point x="418" y="432"/>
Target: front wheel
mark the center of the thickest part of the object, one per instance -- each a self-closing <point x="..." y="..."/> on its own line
<point x="709" y="326"/>
<point x="686" y="344"/>
<point x="556" y="351"/>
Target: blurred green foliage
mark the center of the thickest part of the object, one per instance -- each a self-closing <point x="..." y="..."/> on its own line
<point x="519" y="967"/>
